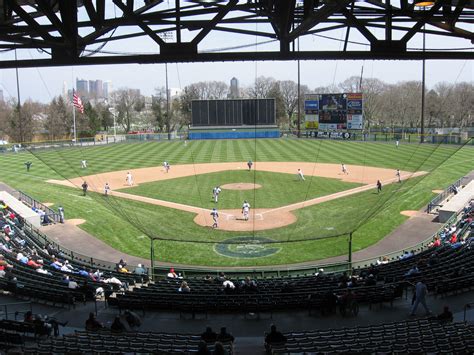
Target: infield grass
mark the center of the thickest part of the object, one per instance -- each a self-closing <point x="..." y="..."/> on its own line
<point x="123" y="223"/>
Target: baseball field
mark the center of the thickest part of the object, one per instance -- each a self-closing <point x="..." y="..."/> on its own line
<point x="290" y="220"/>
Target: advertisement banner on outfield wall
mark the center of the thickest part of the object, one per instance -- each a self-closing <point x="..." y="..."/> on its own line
<point x="312" y="121"/>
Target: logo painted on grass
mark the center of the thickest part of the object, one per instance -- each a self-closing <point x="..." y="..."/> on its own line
<point x="246" y="247"/>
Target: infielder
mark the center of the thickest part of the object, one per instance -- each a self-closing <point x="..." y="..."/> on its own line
<point x="215" y="216"/>
<point x="83" y="164"/>
<point x="398" y="175"/>
<point x="246" y="210"/>
<point x="215" y="193"/>
<point x="106" y="189"/>
<point x="300" y="175"/>
<point x="129" y="179"/>
<point x="344" y="169"/>
<point x="249" y="164"/>
<point x="379" y="186"/>
<point x="166" y="166"/>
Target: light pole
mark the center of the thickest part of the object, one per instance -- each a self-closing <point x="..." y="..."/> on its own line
<point x="112" y="111"/>
<point x="423" y="5"/>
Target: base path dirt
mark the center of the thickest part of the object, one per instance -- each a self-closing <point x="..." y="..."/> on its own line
<point x="241" y="186"/>
<point x="231" y="219"/>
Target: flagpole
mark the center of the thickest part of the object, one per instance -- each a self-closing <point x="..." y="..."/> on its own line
<point x="74" y="117"/>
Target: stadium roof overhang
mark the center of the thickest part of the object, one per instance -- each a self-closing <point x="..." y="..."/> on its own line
<point x="86" y="32"/>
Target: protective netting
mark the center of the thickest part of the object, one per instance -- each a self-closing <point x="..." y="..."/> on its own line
<point x="328" y="203"/>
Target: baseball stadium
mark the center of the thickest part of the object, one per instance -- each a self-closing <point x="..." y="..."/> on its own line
<point x="320" y="229"/>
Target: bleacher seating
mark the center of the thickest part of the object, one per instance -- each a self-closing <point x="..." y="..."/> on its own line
<point x="130" y="342"/>
<point x="414" y="336"/>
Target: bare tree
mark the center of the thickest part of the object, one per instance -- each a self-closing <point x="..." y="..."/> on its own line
<point x="127" y="103"/>
<point x="262" y="87"/>
<point x="23" y="121"/>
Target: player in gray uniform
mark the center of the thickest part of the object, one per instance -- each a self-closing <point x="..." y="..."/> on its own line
<point x="215" y="216"/>
<point x="246" y="210"/>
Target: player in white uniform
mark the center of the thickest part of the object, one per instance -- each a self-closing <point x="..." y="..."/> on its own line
<point x="397" y="143"/>
<point x="106" y="189"/>
<point x="83" y="164"/>
<point x="344" y="169"/>
<point x="300" y="175"/>
<point x="166" y="166"/>
<point x="215" y="216"/>
<point x="215" y="193"/>
<point x="246" y="210"/>
<point x="129" y="179"/>
<point x="398" y="175"/>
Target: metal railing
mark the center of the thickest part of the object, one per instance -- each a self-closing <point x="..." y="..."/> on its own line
<point x="436" y="202"/>
<point x="4" y="312"/>
<point x="30" y="201"/>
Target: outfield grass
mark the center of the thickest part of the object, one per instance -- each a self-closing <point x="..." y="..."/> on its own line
<point x="124" y="224"/>
<point x="278" y="189"/>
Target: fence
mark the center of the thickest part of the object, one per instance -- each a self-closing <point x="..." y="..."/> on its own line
<point x="14" y="309"/>
<point x="30" y="201"/>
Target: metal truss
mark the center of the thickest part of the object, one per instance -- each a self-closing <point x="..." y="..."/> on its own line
<point x="79" y="32"/>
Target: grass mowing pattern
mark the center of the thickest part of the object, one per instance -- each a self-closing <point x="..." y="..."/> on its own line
<point x="107" y="219"/>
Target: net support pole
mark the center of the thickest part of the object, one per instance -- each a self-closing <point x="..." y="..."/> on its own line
<point x="152" y="259"/>
<point x="350" y="253"/>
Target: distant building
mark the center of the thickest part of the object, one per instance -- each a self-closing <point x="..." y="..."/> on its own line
<point x="234" y="88"/>
<point x="107" y="89"/>
<point x="82" y="87"/>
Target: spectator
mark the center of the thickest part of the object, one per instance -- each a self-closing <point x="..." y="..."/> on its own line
<point x="184" y="287"/>
<point x="208" y="278"/>
<point x="370" y="281"/>
<point x="122" y="269"/>
<point x="209" y="336"/>
<point x="61" y="214"/>
<point x="221" y="277"/>
<point x="413" y="271"/>
<point x="249" y="285"/>
<point x="28" y="318"/>
<point x="446" y="315"/>
<point x="420" y="297"/>
<point x="229" y="287"/>
<point x="274" y="337"/>
<point x="117" y="326"/>
<point x="225" y="337"/>
<point x="453" y="239"/>
<point x="173" y="275"/>
<point x="72" y="284"/>
<point x="92" y="324"/>
<point x="140" y="270"/>
<point x="320" y="274"/>
<point x="202" y="349"/>
<point x="219" y="349"/>
<point x="382" y="260"/>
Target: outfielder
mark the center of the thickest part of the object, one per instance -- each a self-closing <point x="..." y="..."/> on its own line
<point x="246" y="210"/>
<point x="129" y="179"/>
<point x="83" y="164"/>
<point x="398" y="175"/>
<point x="249" y="164"/>
<point x="215" y="216"/>
<point x="300" y="175"/>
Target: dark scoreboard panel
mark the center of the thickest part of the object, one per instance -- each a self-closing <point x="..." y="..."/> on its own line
<point x="236" y="112"/>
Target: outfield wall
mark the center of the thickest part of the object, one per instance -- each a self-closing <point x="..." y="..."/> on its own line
<point x="235" y="133"/>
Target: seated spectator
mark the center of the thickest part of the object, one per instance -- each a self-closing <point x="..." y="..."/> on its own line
<point x="370" y="281"/>
<point x="172" y="274"/>
<point x="406" y="255"/>
<point x="122" y="269"/>
<point x="117" y="326"/>
<point x="229" y="287"/>
<point x="209" y="336"/>
<point x="453" y="239"/>
<point x="249" y="285"/>
<point x="56" y="264"/>
<point x="446" y="315"/>
<point x="274" y="337"/>
<point x="92" y="324"/>
<point x="436" y="243"/>
<point x="4" y="246"/>
<point x="72" y="284"/>
<point x="208" y="278"/>
<point x="184" y="287"/>
<point x="433" y="259"/>
<point x="320" y="274"/>
<point x="66" y="267"/>
<point x="28" y="318"/>
<point x="32" y="264"/>
<point x="221" y="277"/>
<point x="413" y="271"/>
<point x="225" y="337"/>
<point x="202" y="349"/>
<point x="132" y="319"/>
<point x="21" y="258"/>
<point x="219" y="349"/>
<point x="140" y="270"/>
<point x="43" y="271"/>
<point x="3" y="266"/>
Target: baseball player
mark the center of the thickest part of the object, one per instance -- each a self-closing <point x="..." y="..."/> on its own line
<point x="129" y="179"/>
<point x="379" y="186"/>
<point x="397" y="174"/>
<point x="344" y="169"/>
<point x="166" y="166"/>
<point x="185" y="142"/>
<point x="28" y="165"/>
<point x="215" y="193"/>
<point x="84" y="188"/>
<point x="300" y="175"/>
<point x="83" y="164"/>
<point x="215" y="216"/>
<point x="397" y="143"/>
<point x="246" y="210"/>
<point x="249" y="164"/>
<point x="106" y="189"/>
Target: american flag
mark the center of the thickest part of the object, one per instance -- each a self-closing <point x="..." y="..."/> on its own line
<point x="77" y="102"/>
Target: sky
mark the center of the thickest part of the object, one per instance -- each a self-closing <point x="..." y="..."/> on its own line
<point x="42" y="84"/>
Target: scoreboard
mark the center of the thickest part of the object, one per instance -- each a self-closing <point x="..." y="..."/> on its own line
<point x="334" y="111"/>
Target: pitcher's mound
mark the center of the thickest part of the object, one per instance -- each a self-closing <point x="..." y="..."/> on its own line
<point x="241" y="186"/>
